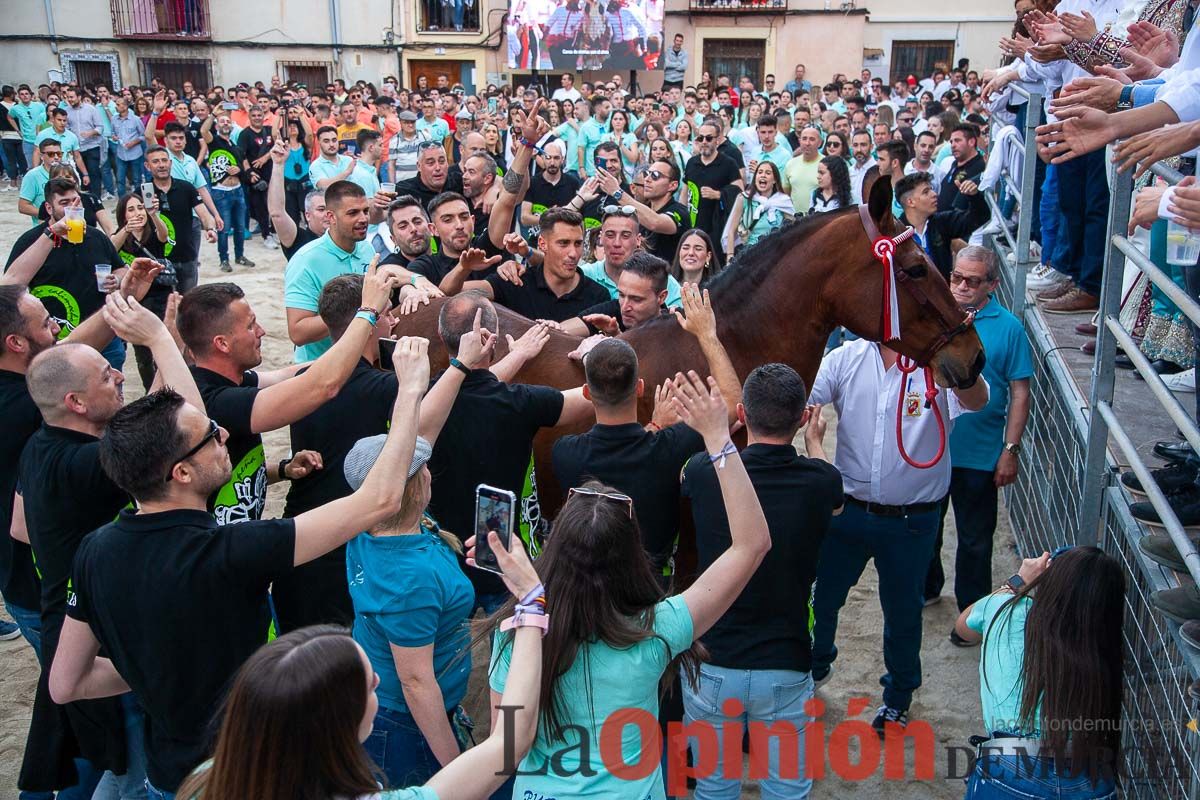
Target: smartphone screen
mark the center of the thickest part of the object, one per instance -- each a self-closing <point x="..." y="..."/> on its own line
<point x="387" y="347"/>
<point x="229" y="106"/>
<point x="495" y="510"/>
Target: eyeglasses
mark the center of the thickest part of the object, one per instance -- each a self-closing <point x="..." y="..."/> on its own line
<point x="214" y="430"/>
<point x="655" y="175"/>
<point x="614" y="496"/>
<point x="619" y="211"/>
<point x="706" y="138"/>
<point x="973" y="283"/>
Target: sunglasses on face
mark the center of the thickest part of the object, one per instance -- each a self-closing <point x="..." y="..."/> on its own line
<point x="655" y="175"/>
<point x="614" y="496"/>
<point x="973" y="283"/>
<point x="214" y="430"/>
<point x="705" y="138"/>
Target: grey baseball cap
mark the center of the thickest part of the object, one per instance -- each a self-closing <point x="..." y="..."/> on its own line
<point x="362" y="457"/>
<point x="406" y="116"/>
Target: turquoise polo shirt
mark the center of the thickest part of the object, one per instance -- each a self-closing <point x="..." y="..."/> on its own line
<point x="591" y="133"/>
<point x="978" y="439"/>
<point x="68" y="140"/>
<point x="322" y="168"/>
<point x="33" y="188"/>
<point x="596" y="272"/>
<point x="366" y="177"/>
<point x="29" y="118"/>
<point x="186" y="169"/>
<point x="310" y="269"/>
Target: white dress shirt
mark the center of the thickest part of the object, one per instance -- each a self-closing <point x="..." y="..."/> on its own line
<point x="857" y="173"/>
<point x="852" y="378"/>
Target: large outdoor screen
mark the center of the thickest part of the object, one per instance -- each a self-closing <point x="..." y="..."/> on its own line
<point x="575" y="35"/>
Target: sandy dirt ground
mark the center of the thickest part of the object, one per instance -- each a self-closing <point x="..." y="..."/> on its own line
<point x="949" y="700"/>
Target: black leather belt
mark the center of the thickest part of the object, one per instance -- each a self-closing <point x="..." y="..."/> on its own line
<point x="883" y="510"/>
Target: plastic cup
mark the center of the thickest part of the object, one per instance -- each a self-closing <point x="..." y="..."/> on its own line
<point x="102" y="273"/>
<point x="387" y="188"/>
<point x="75" y="224"/>
<point x="1183" y="245"/>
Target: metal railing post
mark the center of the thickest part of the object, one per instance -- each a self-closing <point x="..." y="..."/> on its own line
<point x="1095" y="473"/>
<point x="1033" y="115"/>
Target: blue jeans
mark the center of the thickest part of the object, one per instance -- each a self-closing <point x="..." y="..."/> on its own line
<point x="1085" y="211"/>
<point x="157" y="794"/>
<point x="768" y="696"/>
<point x="128" y="172"/>
<point x="114" y="353"/>
<point x="1049" y="214"/>
<point x="30" y="623"/>
<point x="91" y="162"/>
<point x="1003" y="778"/>
<point x="398" y="747"/>
<point x="131" y="785"/>
<point x="107" y="157"/>
<point x="901" y="548"/>
<point x="27" y="148"/>
<point x="231" y="205"/>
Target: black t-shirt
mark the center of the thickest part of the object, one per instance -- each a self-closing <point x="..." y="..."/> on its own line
<point x="767" y="626"/>
<point x="179" y="603"/>
<point x="303" y="237"/>
<point x="728" y="148"/>
<point x="156" y="297"/>
<point x="663" y="244"/>
<point x="436" y="265"/>
<point x="222" y="154"/>
<point x="949" y="197"/>
<point x="417" y="188"/>
<point x="194" y="138"/>
<point x="543" y="195"/>
<point x="638" y="463"/>
<point x="66" y="282"/>
<point x="18" y="581"/>
<point x="534" y="299"/>
<point x="175" y="207"/>
<point x="244" y="496"/>
<point x="612" y="308"/>
<point x="255" y="146"/>
<point x="487" y="438"/>
<point x="717" y="175"/>
<point x="91" y="208"/>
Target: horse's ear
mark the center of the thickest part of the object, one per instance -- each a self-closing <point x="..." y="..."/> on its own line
<point x="879" y="203"/>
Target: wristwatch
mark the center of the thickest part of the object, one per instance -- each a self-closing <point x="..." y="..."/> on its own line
<point x="1125" y="101"/>
<point x="461" y="367"/>
<point x="1015" y="582"/>
<point x="282" y="469"/>
<point x="1013" y="447"/>
<point x="618" y="194"/>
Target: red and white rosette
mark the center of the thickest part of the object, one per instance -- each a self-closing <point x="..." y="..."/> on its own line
<point x="884" y="248"/>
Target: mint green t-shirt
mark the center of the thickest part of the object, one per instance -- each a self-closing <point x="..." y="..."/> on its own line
<point x="601" y="681"/>
<point x="1003" y="651"/>
<point x="311" y="267"/>
<point x="322" y="168"/>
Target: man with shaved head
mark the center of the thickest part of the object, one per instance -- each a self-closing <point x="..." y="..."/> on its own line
<point x="66" y="495"/>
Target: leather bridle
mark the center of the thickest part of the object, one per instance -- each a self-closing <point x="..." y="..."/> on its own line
<point x="950" y="328"/>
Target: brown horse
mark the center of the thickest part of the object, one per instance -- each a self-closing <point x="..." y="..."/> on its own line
<point x="778" y="303"/>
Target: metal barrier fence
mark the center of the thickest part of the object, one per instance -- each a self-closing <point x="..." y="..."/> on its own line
<point x="1067" y="490"/>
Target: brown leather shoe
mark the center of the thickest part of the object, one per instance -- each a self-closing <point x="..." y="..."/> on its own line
<point x="1076" y="301"/>
<point x="1089" y="347"/>
<point x="1086" y="329"/>
<point x="1056" y="291"/>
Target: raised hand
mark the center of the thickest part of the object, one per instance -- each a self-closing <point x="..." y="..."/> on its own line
<point x="1078" y="131"/>
<point x="516" y="570"/>
<point x="607" y="183"/>
<point x="697" y="318"/>
<point x="131" y="321"/>
<point x="378" y="286"/>
<point x="138" y="279"/>
<point x="1147" y="148"/>
<point x="603" y="323"/>
<point x="1159" y="45"/>
<point x="515" y="244"/>
<point x="410" y="359"/>
<point x="1079" y="27"/>
<point x="702" y="408"/>
<point x="511" y="271"/>
<point x="303" y="464"/>
<point x="279" y="153"/>
<point x="664" y="414"/>
<point x="475" y="348"/>
<point x="474" y="259"/>
<point x="814" y="432"/>
<point x="531" y="342"/>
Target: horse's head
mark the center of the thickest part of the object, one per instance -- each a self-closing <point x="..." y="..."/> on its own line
<point x="933" y="329"/>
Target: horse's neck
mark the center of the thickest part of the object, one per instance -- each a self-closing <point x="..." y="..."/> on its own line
<point x="792" y="331"/>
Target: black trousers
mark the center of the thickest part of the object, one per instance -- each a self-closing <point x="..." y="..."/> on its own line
<point x="974" y="497"/>
<point x="256" y="202"/>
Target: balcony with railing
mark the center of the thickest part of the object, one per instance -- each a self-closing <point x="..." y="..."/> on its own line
<point x="738" y="6"/>
<point x="161" y="19"/>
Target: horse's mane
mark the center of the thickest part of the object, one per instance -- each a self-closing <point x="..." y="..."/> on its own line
<point x="753" y="265"/>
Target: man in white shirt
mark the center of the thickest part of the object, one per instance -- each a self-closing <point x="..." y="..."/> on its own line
<point x="567" y="90"/>
<point x="892" y="508"/>
<point x="860" y="149"/>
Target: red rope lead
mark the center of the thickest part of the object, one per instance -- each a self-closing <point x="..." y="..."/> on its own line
<point x="907" y="366"/>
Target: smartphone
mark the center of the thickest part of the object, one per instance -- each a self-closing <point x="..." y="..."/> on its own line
<point x="229" y="106"/>
<point x="387" y="347"/>
<point x="147" y="192"/>
<point x="495" y="510"/>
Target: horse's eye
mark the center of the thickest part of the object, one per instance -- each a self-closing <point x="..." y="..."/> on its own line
<point x="918" y="271"/>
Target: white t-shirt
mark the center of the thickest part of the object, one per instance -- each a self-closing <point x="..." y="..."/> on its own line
<point x="562" y="93"/>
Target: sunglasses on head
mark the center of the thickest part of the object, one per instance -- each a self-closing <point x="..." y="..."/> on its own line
<point x="619" y="211"/>
<point x="614" y="496"/>
<point x="427" y="145"/>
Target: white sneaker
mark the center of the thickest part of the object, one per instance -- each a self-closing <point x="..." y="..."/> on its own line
<point x="271" y="242"/>
<point x="107" y="196"/>
<point x="1181" y="381"/>
<point x="1043" y="277"/>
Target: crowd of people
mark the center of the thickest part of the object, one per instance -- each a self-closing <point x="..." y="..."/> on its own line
<point x="190" y="647"/>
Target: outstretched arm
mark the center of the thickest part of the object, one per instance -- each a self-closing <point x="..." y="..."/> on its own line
<point x="699" y="320"/>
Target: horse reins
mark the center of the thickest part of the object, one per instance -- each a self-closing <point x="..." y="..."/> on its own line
<point x="884" y="249"/>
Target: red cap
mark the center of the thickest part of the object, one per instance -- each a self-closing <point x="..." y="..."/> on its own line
<point x="912" y="80"/>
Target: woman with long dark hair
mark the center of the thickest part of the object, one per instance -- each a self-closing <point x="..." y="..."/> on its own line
<point x="301" y="707"/>
<point x="695" y="260"/>
<point x="836" y="145"/>
<point x="615" y="633"/>
<point x="1050" y="678"/>
<point x="760" y="210"/>
<point x="833" y="186"/>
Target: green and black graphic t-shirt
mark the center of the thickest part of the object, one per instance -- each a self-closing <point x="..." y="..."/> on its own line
<point x="697" y="175"/>
<point x="222" y="154"/>
<point x="179" y="603"/>
<point x="543" y="195"/>
<point x="66" y="282"/>
<point x="244" y="496"/>
<point x="175" y="207"/>
<point x="663" y="244"/>
<point x="18" y="581"/>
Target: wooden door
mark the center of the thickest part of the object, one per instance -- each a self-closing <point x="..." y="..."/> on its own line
<point x="431" y="69"/>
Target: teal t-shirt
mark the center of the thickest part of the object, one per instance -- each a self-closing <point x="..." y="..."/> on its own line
<point x="322" y="168"/>
<point x="409" y="591"/>
<point x="595" y="271"/>
<point x="33" y="188"/>
<point x="311" y="267"/>
<point x="1000" y="659"/>
<point x="570" y="139"/>
<point x="591" y="133"/>
<point x="439" y="129"/>
<point x="413" y="793"/>
<point x="978" y="439"/>
<point x="29" y="118"/>
<point x="68" y="140"/>
<point x="601" y="681"/>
